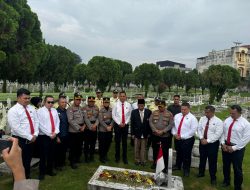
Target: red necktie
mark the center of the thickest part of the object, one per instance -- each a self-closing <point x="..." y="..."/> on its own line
<point x="52" y="122"/>
<point x="123" y="115"/>
<point x="230" y="132"/>
<point x="30" y="121"/>
<point x="179" y="128"/>
<point x="206" y="129"/>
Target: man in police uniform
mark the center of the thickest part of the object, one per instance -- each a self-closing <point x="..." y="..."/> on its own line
<point x="77" y="126"/>
<point x="98" y="99"/>
<point x="114" y="98"/>
<point x="161" y="123"/>
<point x="105" y="129"/>
<point x="91" y="112"/>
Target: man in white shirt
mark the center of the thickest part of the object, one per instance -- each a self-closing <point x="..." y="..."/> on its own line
<point x="23" y="122"/>
<point x="48" y="129"/>
<point x="121" y="113"/>
<point x="210" y="130"/>
<point x="184" y="130"/>
<point x="236" y="135"/>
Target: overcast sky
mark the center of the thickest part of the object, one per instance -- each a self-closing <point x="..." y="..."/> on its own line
<point x="144" y="31"/>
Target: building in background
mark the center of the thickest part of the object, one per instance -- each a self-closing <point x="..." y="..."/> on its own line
<point x="174" y="65"/>
<point x="237" y="57"/>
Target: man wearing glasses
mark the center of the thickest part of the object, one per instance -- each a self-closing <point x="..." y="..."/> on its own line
<point x="23" y="122"/>
<point x="75" y="116"/>
<point x="48" y="130"/>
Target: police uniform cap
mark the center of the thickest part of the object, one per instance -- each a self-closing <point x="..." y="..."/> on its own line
<point x="106" y="99"/>
<point x="157" y="98"/>
<point x="62" y="95"/>
<point x="98" y="91"/>
<point x="115" y="91"/>
<point x="91" y="99"/>
<point x="162" y="103"/>
<point x="77" y="95"/>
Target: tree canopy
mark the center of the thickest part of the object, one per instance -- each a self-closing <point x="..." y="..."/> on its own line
<point x="219" y="78"/>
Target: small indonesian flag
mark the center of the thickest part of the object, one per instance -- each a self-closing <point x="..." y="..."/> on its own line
<point x="159" y="163"/>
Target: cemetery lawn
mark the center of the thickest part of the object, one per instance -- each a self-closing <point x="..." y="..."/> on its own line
<point x="69" y="179"/>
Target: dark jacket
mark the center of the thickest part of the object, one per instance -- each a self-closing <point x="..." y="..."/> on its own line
<point x="64" y="125"/>
<point x="137" y="127"/>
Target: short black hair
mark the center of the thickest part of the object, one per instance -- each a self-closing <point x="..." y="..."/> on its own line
<point x="176" y="95"/>
<point x="236" y="107"/>
<point x="185" y="104"/>
<point x="210" y="108"/>
<point x="47" y="96"/>
<point x="22" y="91"/>
<point x="122" y="92"/>
<point x="61" y="97"/>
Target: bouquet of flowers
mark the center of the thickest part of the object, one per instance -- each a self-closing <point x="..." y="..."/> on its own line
<point x="125" y="177"/>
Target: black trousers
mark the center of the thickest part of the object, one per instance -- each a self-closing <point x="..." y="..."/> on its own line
<point x="165" y="144"/>
<point x="47" y="154"/>
<point x="75" y="146"/>
<point x="210" y="152"/>
<point x="27" y="149"/>
<point x="61" y="150"/>
<point x="121" y="134"/>
<point x="105" y="139"/>
<point x="236" y="158"/>
<point x="183" y="153"/>
<point x="89" y="142"/>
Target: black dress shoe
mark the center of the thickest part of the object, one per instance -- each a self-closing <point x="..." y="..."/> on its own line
<point x="73" y="166"/>
<point x="103" y="161"/>
<point x="51" y="173"/>
<point x="137" y="163"/>
<point x="176" y="168"/>
<point x="41" y="177"/>
<point x="225" y="184"/>
<point x="200" y="175"/>
<point x="213" y="182"/>
<point x="165" y="171"/>
<point x="186" y="174"/>
<point x="59" y="168"/>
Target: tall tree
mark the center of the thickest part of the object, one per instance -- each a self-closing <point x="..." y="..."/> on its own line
<point x="102" y="71"/>
<point x="79" y="73"/>
<point x="21" y="41"/>
<point x="125" y="69"/>
<point x="147" y="74"/>
<point x="192" y="80"/>
<point x="220" y="78"/>
<point x="170" y="77"/>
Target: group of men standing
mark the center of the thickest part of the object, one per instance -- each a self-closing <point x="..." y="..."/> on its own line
<point x="177" y="121"/>
<point x="57" y="129"/>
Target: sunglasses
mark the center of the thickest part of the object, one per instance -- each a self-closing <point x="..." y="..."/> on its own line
<point x="50" y="102"/>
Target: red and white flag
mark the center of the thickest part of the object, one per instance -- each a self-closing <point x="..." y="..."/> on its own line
<point x="159" y="163"/>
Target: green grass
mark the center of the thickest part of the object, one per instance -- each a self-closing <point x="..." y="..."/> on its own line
<point x="69" y="179"/>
